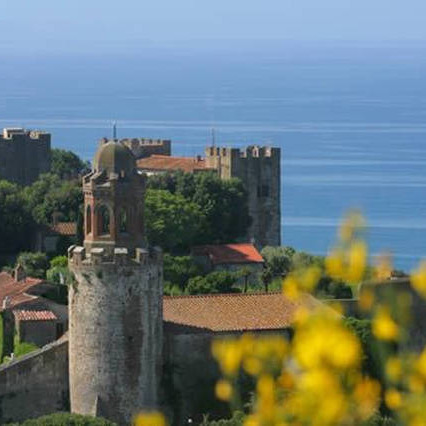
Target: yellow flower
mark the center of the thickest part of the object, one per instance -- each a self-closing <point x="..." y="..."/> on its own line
<point x="421" y="364"/>
<point x="366" y="299"/>
<point x="266" y="397"/>
<point x="228" y="353"/>
<point x="223" y="390"/>
<point x="357" y="261"/>
<point x="367" y="395"/>
<point x="393" y="369"/>
<point x="251" y="420"/>
<point x="291" y="287"/>
<point x="334" y="264"/>
<point x="418" y="279"/>
<point x="384" y="327"/>
<point x="150" y="419"/>
<point x="310" y="278"/>
<point x="252" y="365"/>
<point x="393" y="399"/>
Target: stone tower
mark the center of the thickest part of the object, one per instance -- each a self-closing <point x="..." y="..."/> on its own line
<point x="115" y="305"/>
<point x="260" y="171"/>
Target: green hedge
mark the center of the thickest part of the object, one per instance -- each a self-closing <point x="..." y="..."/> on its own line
<point x="65" y="419"/>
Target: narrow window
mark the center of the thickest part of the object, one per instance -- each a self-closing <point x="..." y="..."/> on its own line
<point x="103" y="220"/>
<point x="122" y="221"/>
<point x="88" y="220"/>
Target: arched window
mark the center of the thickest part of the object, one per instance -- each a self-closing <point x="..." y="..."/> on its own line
<point x="88" y="220"/>
<point x="122" y="221"/>
<point x="103" y="220"/>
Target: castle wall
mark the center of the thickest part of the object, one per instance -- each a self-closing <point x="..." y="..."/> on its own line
<point x="143" y="148"/>
<point x="259" y="168"/>
<point x="115" y="333"/>
<point x="24" y="156"/>
<point x="36" y="384"/>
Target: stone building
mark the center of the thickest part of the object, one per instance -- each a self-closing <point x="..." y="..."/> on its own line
<point x="143" y="147"/>
<point x="259" y="168"/>
<point x="116" y="315"/>
<point x="24" y="155"/>
<point x="241" y="258"/>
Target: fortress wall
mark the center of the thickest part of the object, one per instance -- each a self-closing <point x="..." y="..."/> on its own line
<point x="115" y="333"/>
<point x="24" y="156"/>
<point x="36" y="384"/>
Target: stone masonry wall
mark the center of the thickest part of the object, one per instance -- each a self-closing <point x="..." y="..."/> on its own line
<point x="143" y="148"/>
<point x="115" y="333"/>
<point x="24" y="156"/>
<point x="259" y="168"/>
<point x="36" y="384"/>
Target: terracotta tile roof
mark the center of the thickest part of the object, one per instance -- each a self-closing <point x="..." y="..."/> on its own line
<point x="64" y="228"/>
<point x="15" y="290"/>
<point x="168" y="163"/>
<point x="234" y="312"/>
<point x="22" y="315"/>
<point x="229" y="253"/>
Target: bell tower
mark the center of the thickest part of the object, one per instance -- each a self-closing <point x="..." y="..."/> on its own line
<point x="114" y="195"/>
<point x="115" y="304"/>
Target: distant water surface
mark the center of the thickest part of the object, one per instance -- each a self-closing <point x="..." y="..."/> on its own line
<point x="351" y="122"/>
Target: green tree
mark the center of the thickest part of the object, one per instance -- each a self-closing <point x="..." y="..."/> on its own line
<point x="67" y="165"/>
<point x="34" y="264"/>
<point x="179" y="269"/>
<point x="224" y="203"/>
<point x="278" y="260"/>
<point x="172" y="222"/>
<point x="49" y="194"/>
<point x="245" y="272"/>
<point x="16" y="222"/>
<point x="215" y="282"/>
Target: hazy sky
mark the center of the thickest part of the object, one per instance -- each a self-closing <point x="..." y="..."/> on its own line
<point x="84" y="23"/>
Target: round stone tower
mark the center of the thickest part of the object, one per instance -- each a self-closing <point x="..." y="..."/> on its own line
<point x="115" y="305"/>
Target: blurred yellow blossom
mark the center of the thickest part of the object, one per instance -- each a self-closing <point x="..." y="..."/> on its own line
<point x="393" y="368"/>
<point x="384" y="267"/>
<point x="228" y="353"/>
<point x="223" y="390"/>
<point x="393" y="398"/>
<point x="384" y="327"/>
<point x="150" y="419"/>
<point x="357" y="261"/>
<point x="367" y="396"/>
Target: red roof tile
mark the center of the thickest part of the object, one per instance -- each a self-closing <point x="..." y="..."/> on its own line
<point x="168" y="163"/>
<point x="64" y="228"/>
<point x="235" y="312"/>
<point x="16" y="290"/>
<point x="229" y="253"/>
<point x="22" y="315"/>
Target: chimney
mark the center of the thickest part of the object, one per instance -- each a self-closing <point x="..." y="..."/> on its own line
<point x="19" y="273"/>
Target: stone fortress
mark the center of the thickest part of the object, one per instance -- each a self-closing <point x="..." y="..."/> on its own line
<point x="129" y="348"/>
<point x="259" y="168"/>
<point x="115" y="307"/>
<point x="24" y="155"/>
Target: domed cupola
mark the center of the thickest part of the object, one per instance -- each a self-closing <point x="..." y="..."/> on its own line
<point x="114" y="157"/>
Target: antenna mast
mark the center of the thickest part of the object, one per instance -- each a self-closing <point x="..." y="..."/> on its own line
<point x="114" y="130"/>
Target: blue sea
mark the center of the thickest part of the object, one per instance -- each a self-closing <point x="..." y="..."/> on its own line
<point x="350" y="120"/>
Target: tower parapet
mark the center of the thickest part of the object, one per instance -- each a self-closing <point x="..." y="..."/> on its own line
<point x="145" y="147"/>
<point x="115" y="304"/>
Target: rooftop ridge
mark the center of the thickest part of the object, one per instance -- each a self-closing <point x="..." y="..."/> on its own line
<point x="213" y="295"/>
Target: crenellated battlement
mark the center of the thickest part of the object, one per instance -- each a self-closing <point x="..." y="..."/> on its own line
<point x="144" y="147"/>
<point x="80" y="257"/>
<point x="252" y="151"/>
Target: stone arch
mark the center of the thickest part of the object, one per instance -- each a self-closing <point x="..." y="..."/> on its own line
<point x="104" y="220"/>
<point x="88" y="220"/>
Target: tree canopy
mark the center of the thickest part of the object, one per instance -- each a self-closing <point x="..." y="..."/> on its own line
<point x="16" y="221"/>
<point x="223" y="203"/>
<point x="67" y="165"/>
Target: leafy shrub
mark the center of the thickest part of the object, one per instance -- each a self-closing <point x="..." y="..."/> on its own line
<point x="65" y="419"/>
